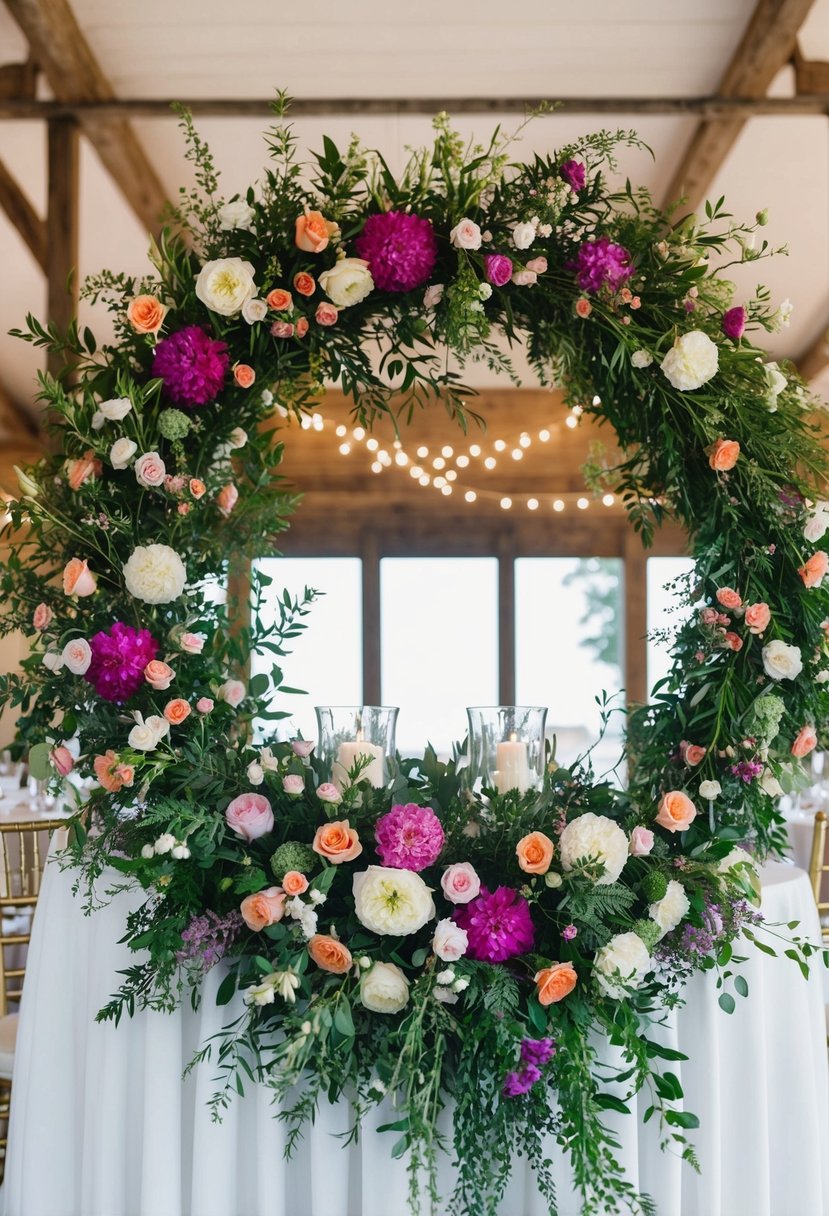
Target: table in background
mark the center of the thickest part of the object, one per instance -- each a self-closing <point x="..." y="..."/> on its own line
<point x="103" y="1125"/>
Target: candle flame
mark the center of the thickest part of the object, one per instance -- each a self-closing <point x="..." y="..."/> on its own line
<point x="359" y="738"/>
<point x="513" y="737"/>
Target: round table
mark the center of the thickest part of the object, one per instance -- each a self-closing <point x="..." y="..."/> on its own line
<point x="103" y="1125"/>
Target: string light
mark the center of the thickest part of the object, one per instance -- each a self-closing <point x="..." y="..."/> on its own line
<point x="475" y="450"/>
<point x="447" y="451"/>
<point x="423" y="452"/>
<point x="490" y="462"/>
<point x="583" y="504"/>
<point x="517" y="454"/>
<point x="340" y="431"/>
<point x="524" y="441"/>
<point x="544" y="435"/>
<point x="438" y="463"/>
<point x="376" y="466"/>
<point x="608" y="500"/>
<point x="499" y="445"/>
<point x="462" y="462"/>
<point x="359" y="434"/>
<point x="558" y="505"/>
<point x="372" y="444"/>
<point x="571" y="421"/>
<point x="470" y="495"/>
<point x="345" y="448"/>
<point x="532" y="504"/>
<point x="506" y="503"/>
<point x="402" y="459"/>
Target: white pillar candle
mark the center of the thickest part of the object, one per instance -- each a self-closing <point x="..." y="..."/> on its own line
<point x="513" y="771"/>
<point x="348" y="754"/>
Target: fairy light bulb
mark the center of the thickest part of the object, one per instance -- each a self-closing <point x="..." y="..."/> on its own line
<point x="608" y="500"/>
<point x="462" y="462"/>
<point x="401" y="459"/>
<point x="425" y="479"/>
<point x="376" y="466"/>
<point x="446" y="489"/>
<point x="558" y="505"/>
<point x="578" y="410"/>
<point x="499" y="445"/>
<point x="423" y="452"/>
<point x="544" y="435"/>
<point x="490" y="462"/>
<point x="532" y="504"/>
<point x="438" y="463"/>
<point x="582" y="504"/>
<point x="340" y="431"/>
<point x="397" y="445"/>
<point x="359" y="434"/>
<point x="524" y="441"/>
<point x="345" y="448"/>
<point x="447" y="451"/>
<point x="517" y="454"/>
<point x="372" y="444"/>
<point x="470" y="495"/>
<point x="415" y="471"/>
<point x="597" y="400"/>
<point x="305" y="423"/>
<point x="475" y="450"/>
<point x="318" y="422"/>
<point x="506" y="503"/>
<point x="571" y="421"/>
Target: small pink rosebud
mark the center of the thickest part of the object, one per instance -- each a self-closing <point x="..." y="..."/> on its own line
<point x="641" y="842"/>
<point x="42" y="618"/>
<point x="328" y="793"/>
<point x="63" y="760"/>
<point x="302" y="747"/>
<point x="204" y="705"/>
<point x="293" y="785"/>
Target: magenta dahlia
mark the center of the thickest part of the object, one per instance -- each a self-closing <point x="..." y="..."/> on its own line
<point x="498" y="925"/>
<point x="400" y="249"/>
<point x="192" y="365"/>
<point x="601" y="263"/>
<point x="409" y="837"/>
<point x="119" y="656"/>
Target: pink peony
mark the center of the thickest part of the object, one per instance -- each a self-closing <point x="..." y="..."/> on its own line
<point x="409" y="837"/>
<point x="460" y="883"/>
<point x="734" y="323"/>
<point x="250" y="816"/>
<point x="400" y="249"/>
<point x="601" y="263"/>
<point x="192" y="365"/>
<point x="119" y="658"/>
<point x="498" y="925"/>
<point x="497" y="269"/>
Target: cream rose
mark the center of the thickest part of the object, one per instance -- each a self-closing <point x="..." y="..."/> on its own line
<point x="347" y="282"/>
<point x="224" y="285"/>
<point x="150" y="470"/>
<point x="523" y="235"/>
<point x="392" y="902"/>
<point x="710" y="789"/>
<point x="737" y="857"/>
<point x="147" y="733"/>
<point x="782" y="662"/>
<point x="121" y="453"/>
<point x="691" y="362"/>
<point x="111" y="411"/>
<point x="384" y="989"/>
<point x="155" y="574"/>
<point x="450" y="941"/>
<point x="254" y="310"/>
<point x="815" y="527"/>
<point x="237" y="214"/>
<point x="466" y="235"/>
<point x="77" y="655"/>
<point x="622" y="963"/>
<point x="641" y="358"/>
<point x="597" y="839"/>
<point x="671" y="908"/>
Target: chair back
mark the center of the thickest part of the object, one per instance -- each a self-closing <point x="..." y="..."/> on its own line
<point x="24" y="848"/>
<point x="819" y="871"/>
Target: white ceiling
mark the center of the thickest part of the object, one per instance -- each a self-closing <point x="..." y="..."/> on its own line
<point x="203" y="48"/>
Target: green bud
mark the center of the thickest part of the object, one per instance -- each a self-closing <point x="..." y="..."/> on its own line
<point x="648" y="931"/>
<point x="173" y="424"/>
<point x="654" y="886"/>
<point x="292" y="855"/>
<point x="762" y="217"/>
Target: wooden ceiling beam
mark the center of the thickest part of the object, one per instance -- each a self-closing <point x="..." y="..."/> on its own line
<point x="767" y="45"/>
<point x="18" y="81"/>
<point x="23" y="216"/>
<point x="67" y="61"/>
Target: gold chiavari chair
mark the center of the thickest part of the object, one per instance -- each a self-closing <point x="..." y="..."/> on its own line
<point x="819" y="872"/>
<point x="24" y="847"/>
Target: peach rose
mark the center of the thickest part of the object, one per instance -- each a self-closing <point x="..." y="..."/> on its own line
<point x="814" y="571"/>
<point x="42" y="618"/>
<point x="729" y="598"/>
<point x="263" y="909"/>
<point x="279" y="300"/>
<point x="302" y="326"/>
<point x="63" y="760"/>
<point x="244" y="375"/>
<point x="305" y="284"/>
<point x="294" y="883"/>
<point x="176" y="711"/>
<point x="555" y="982"/>
<point x="249" y="816"/>
<point x="583" y="308"/>
<point x="535" y="852"/>
<point x="676" y="811"/>
<point x="146" y="314"/>
<point x="158" y="675"/>
<point x="81" y="470"/>
<point x="337" y="842"/>
<point x="723" y="454"/>
<point x="111" y="774"/>
<point x="757" y="617"/>
<point x="78" y="579"/>
<point x="313" y="232"/>
<point x="733" y="641"/>
<point x="197" y="488"/>
<point x="329" y="954"/>
<point x="326" y="314"/>
<point x="227" y="498"/>
<point x="694" y="754"/>
<point x="805" y="741"/>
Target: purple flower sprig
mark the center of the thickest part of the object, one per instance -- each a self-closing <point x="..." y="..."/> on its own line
<point x="208" y="937"/>
<point x="535" y="1053"/>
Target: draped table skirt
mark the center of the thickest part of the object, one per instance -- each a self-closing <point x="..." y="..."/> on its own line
<point x="103" y="1125"/>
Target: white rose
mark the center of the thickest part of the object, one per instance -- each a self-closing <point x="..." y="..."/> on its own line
<point x="782" y="662"/>
<point x="445" y="995"/>
<point x="523" y="235"/>
<point x="347" y="282"/>
<point x="225" y="284"/>
<point x="52" y="661"/>
<point x="710" y="789"/>
<point x="165" y="844"/>
<point x="450" y="941"/>
<point x="232" y="692"/>
<point x="115" y="409"/>
<point x="77" y="655"/>
<point x="770" y="785"/>
<point x="237" y="438"/>
<point x="147" y="733"/>
<point x="671" y="908"/>
<point x="150" y="470"/>
<point x="817" y="523"/>
<point x="122" y="452"/>
<point x="238" y="214"/>
<point x="691" y="362"/>
<point x="393" y="902"/>
<point x="256" y="774"/>
<point x="155" y="574"/>
<point x="775" y="383"/>
<point x="622" y="963"/>
<point x="433" y="295"/>
<point x="598" y="838"/>
<point x="384" y="989"/>
<point x="466" y="235"/>
<point x="641" y="358"/>
<point x="254" y="310"/>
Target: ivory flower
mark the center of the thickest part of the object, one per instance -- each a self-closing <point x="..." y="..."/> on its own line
<point x="622" y="963"/>
<point x="238" y="214"/>
<point x="691" y="362"/>
<point x="392" y="902"/>
<point x="671" y="908"/>
<point x="155" y="574"/>
<point x="782" y="662"/>
<point x="347" y="282"/>
<point x="384" y="989"/>
<point x="596" y="839"/>
<point x="225" y="284"/>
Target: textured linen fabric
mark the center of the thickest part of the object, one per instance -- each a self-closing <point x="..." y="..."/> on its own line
<point x="103" y="1124"/>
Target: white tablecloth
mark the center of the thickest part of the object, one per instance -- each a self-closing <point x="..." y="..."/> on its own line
<point x="102" y="1124"/>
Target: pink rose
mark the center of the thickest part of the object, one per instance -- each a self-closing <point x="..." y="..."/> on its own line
<point x="709" y="616"/>
<point x="328" y="792"/>
<point x="227" y="498"/>
<point x="263" y="909"/>
<point x="805" y="741"/>
<point x="326" y="314"/>
<point x="757" y="617"/>
<point x="524" y="278"/>
<point x="77" y="655"/>
<point x="204" y="705"/>
<point x="460" y="883"/>
<point x="450" y="941"/>
<point x="729" y="598"/>
<point x="641" y="842"/>
<point x="302" y="327"/>
<point x="150" y="470"/>
<point x="676" y="811"/>
<point x="78" y="579"/>
<point x="293" y="784"/>
<point x="158" y="675"/>
<point x="191" y="643"/>
<point x="583" y="308"/>
<point x="282" y="329"/>
<point x="302" y="747"/>
<point x="232" y="692"/>
<point x="250" y="816"/>
<point x="63" y="760"/>
<point x="497" y="269"/>
<point x="694" y="754"/>
<point x="733" y="641"/>
<point x="42" y="618"/>
<point x="537" y="265"/>
<point x="433" y="295"/>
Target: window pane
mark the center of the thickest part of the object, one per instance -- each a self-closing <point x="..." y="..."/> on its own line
<point x="667" y="610"/>
<point x="569" y="641"/>
<point x="327" y="658"/>
<point x="439" y="645"/>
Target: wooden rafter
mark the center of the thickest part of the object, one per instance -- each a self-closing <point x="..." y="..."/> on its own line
<point x="23" y="216"/>
<point x="767" y="45"/>
<point x="15" y="426"/>
<point x="18" y="81"/>
<point x="67" y="61"/>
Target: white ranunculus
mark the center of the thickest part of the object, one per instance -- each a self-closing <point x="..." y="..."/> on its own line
<point x="121" y="453"/>
<point x="691" y="362"/>
<point x="671" y="908"/>
<point x="641" y="358"/>
<point x="155" y="574"/>
<point x="782" y="662"/>
<point x="147" y="733"/>
<point x="347" y="282"/>
<point x="115" y="409"/>
<point x="238" y="214"/>
<point x="710" y="789"/>
<point x="450" y="941"/>
<point x="775" y="383"/>
<point x="384" y="989"/>
<point x="815" y="527"/>
<point x="523" y="235"/>
<point x="466" y="235"/>
<point x="77" y="655"/>
<point x="597" y="838"/>
<point x="622" y="963"/>
<point x="254" y="310"/>
<point x="224" y="285"/>
<point x="393" y="902"/>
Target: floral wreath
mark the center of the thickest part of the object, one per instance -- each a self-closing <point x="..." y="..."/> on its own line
<point x="379" y="943"/>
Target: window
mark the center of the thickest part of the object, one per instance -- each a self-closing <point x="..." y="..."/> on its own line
<point x="665" y="611"/>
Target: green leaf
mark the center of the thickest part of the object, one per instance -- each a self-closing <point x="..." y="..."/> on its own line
<point x="343" y="1020"/>
<point x="611" y="1102"/>
<point x="741" y="985"/>
<point x="681" y="1118"/>
<point x="227" y="989"/>
<point x="726" y="1002"/>
<point x="39" y="763"/>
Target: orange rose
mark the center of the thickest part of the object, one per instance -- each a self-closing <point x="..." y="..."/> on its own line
<point x="244" y="375"/>
<point x="176" y="711"/>
<point x="733" y="641"/>
<point x="329" y="954"/>
<point x="583" y="308"/>
<point x="729" y="598"/>
<point x="146" y="314"/>
<point x="815" y="569"/>
<point x="279" y="300"/>
<point x="555" y="982"/>
<point x="305" y="284"/>
<point x="78" y="579"/>
<point x="805" y="742"/>
<point x="294" y="883"/>
<point x="111" y="774"/>
<point x="676" y="811"/>
<point x="757" y="617"/>
<point x="535" y="852"/>
<point x="80" y="470"/>
<point x="694" y="754"/>
<point x="337" y="842"/>
<point x="263" y="909"/>
<point x="301" y="328"/>
<point x="723" y="454"/>
<point x="227" y="498"/>
<point x="313" y="232"/>
<point x="158" y="675"/>
<point x="197" y="488"/>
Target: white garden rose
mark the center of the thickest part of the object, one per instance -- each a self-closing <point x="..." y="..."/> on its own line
<point x="77" y="655"/>
<point x="817" y="523"/>
<point x="155" y="574"/>
<point x="238" y="214"/>
<point x="523" y="235"/>
<point x="52" y="661"/>
<point x="641" y="358"/>
<point x="597" y="838"/>
<point x="466" y="235"/>
<point x="147" y="733"/>
<point x="384" y="989"/>
<point x="121" y="453"/>
<point x="111" y="411"/>
<point x="347" y="282"/>
<point x="691" y="362"/>
<point x="782" y="662"/>
<point x="622" y="963"/>
<point x="150" y="470"/>
<point x="775" y="383"/>
<point x="450" y="942"/>
<point x="237" y="438"/>
<point x="392" y="902"/>
<point x="671" y="908"/>
<point x="225" y="284"/>
<point x="254" y="310"/>
<point x="710" y="789"/>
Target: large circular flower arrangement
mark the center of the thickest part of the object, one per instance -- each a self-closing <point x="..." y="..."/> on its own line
<point x="416" y="939"/>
